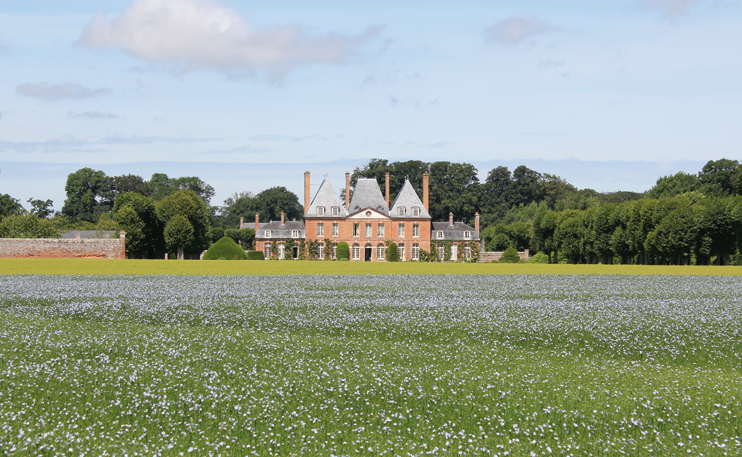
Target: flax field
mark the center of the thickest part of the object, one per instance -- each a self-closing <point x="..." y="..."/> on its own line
<point x="408" y="365"/>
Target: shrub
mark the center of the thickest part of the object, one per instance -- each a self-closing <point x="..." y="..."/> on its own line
<point x="540" y="257"/>
<point x="216" y="234"/>
<point x="343" y="252"/>
<point x="225" y="249"/>
<point x="392" y="253"/>
<point x="255" y="255"/>
<point x="510" y="256"/>
<point x="499" y="243"/>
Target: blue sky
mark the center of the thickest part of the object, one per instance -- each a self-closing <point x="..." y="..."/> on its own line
<point x="263" y="90"/>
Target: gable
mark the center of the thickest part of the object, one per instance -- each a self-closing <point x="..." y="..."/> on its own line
<point x="369" y="213"/>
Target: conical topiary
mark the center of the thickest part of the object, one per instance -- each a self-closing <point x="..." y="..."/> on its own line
<point x="510" y="256"/>
<point x="225" y="249"/>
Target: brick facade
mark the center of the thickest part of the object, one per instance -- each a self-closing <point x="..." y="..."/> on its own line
<point x="84" y="248"/>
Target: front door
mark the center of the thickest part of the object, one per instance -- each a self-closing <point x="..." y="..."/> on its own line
<point x="369" y="252"/>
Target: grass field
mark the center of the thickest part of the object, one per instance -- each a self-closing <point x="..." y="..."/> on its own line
<point x="224" y="267"/>
<point x="370" y="365"/>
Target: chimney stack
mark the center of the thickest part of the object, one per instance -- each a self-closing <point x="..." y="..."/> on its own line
<point x="242" y="222"/>
<point x="257" y="222"/>
<point x="476" y="222"/>
<point x="426" y="180"/>
<point x="347" y="190"/>
<point x="387" y="189"/>
<point x="282" y="218"/>
<point x="307" y="202"/>
<point x="450" y="219"/>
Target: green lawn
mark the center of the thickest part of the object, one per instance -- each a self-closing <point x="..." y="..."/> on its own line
<point x="224" y="267"/>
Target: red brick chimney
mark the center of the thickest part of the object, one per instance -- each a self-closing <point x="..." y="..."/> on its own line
<point x="347" y="190"/>
<point x="283" y="221"/>
<point x="257" y="222"/>
<point x="450" y="219"/>
<point x="476" y="222"/>
<point x="307" y="202"/>
<point x="387" y="189"/>
<point x="426" y="181"/>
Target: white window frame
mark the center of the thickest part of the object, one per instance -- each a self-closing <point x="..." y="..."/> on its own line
<point x="416" y="230"/>
<point x="415" y="251"/>
<point x="467" y="252"/>
<point x="321" y="229"/>
<point x="356" y="229"/>
<point x="294" y="234"/>
<point x="467" y="235"/>
<point x="454" y="252"/>
<point x="380" y="252"/>
<point x="380" y="230"/>
<point x="401" y="211"/>
<point x="321" y="251"/>
<point x="415" y="210"/>
<point x="335" y="210"/>
<point x="401" y="231"/>
<point x="439" y="235"/>
<point x="281" y="251"/>
<point x="267" y="250"/>
<point x="267" y="233"/>
<point x="369" y="230"/>
<point x="356" y="252"/>
<point x="335" y="229"/>
<point x="400" y="249"/>
<point x="320" y="211"/>
<point x="441" y="252"/>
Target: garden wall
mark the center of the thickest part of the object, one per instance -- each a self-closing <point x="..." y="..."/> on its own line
<point x="80" y="248"/>
<point x="486" y="257"/>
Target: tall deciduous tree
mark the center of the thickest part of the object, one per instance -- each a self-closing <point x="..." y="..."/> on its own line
<point x="670" y="186"/>
<point x="189" y="205"/>
<point x="716" y="177"/>
<point x="179" y="233"/>
<point x="9" y="206"/>
<point x="144" y="229"/>
<point x="88" y="195"/>
<point x="454" y="187"/>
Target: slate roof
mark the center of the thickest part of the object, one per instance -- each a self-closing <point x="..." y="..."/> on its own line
<point x="407" y="198"/>
<point x="453" y="232"/>
<point x="327" y="198"/>
<point x="278" y="231"/>
<point x="88" y="234"/>
<point x="367" y="194"/>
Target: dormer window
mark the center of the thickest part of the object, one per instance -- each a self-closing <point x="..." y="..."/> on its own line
<point x="320" y="211"/>
<point x="294" y="234"/>
<point x="439" y="235"/>
<point x="401" y="211"/>
<point x="467" y="235"/>
<point x="335" y="210"/>
<point x="267" y="233"/>
<point x="415" y="210"/>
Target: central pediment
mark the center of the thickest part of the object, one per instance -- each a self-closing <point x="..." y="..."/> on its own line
<point x="368" y="213"/>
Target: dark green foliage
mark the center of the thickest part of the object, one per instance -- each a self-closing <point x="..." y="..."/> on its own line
<point x="226" y="249"/>
<point x="186" y="203"/>
<point x="160" y="185"/>
<point x="89" y="194"/>
<point x="677" y="184"/>
<point x="136" y="214"/>
<point x="392" y="253"/>
<point x="42" y="208"/>
<point x="540" y="257"/>
<point x="255" y="255"/>
<point x="343" y="251"/>
<point x="216" y="234"/>
<point x="716" y="177"/>
<point x="131" y="183"/>
<point x="510" y="256"/>
<point x="268" y="203"/>
<point x="9" y="206"/>
<point x="29" y="226"/>
<point x="178" y="234"/>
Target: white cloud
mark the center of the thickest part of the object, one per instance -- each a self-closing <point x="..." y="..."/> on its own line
<point x="673" y="8"/>
<point x="92" y="115"/>
<point x="515" y="30"/>
<point x="187" y="35"/>
<point x="44" y="91"/>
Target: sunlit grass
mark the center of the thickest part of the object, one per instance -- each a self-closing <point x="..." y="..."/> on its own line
<point x="225" y="267"/>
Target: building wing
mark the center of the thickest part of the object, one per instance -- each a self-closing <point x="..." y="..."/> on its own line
<point x="324" y="201"/>
<point x="367" y="194"/>
<point x="408" y="204"/>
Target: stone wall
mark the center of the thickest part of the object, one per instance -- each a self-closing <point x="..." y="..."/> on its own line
<point x="486" y="257"/>
<point x="63" y="248"/>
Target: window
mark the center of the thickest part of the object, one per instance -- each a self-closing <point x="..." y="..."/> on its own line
<point x="400" y="248"/>
<point x="356" y="252"/>
<point x="380" y="252"/>
<point x="415" y="251"/>
<point x="416" y="230"/>
<point x="369" y="231"/>
<point x="441" y="252"/>
<point x="281" y="251"/>
<point x="439" y="235"/>
<point x="321" y="251"/>
<point x="335" y="210"/>
<point x="401" y="231"/>
<point x="321" y="229"/>
<point x="415" y="210"/>
<point x="267" y="233"/>
<point x="334" y="252"/>
<point x="380" y="229"/>
<point x="267" y="250"/>
<point x="454" y="252"/>
<point x="356" y="229"/>
<point x="401" y="211"/>
<point x="335" y="229"/>
<point x="320" y="211"/>
<point x="467" y="235"/>
<point x="294" y="234"/>
<point x="467" y="253"/>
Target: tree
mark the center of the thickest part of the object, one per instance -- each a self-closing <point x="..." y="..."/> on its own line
<point x="454" y="187"/>
<point x="194" y="183"/>
<point x="179" y="233"/>
<point x="343" y="251"/>
<point x="398" y="172"/>
<point x="736" y="180"/>
<point x="88" y="195"/>
<point x="716" y="230"/>
<point x="143" y="227"/>
<point x="393" y="254"/>
<point x="187" y="204"/>
<point x="602" y="224"/>
<point x="9" y="206"/>
<point x="675" y="235"/>
<point x="160" y="186"/>
<point x="570" y="235"/>
<point x="510" y="256"/>
<point x="670" y="186"/>
<point x="42" y="208"/>
<point x="225" y="249"/>
<point x="276" y="199"/>
<point x="716" y="177"/>
<point x="544" y="225"/>
<point x="525" y="188"/>
<point x="131" y="183"/>
<point x="29" y="226"/>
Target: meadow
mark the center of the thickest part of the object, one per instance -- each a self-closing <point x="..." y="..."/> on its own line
<point x="370" y="365"/>
<point x="227" y="267"/>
